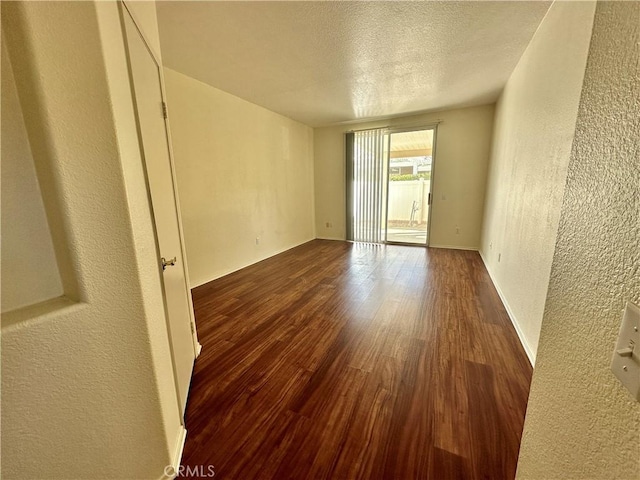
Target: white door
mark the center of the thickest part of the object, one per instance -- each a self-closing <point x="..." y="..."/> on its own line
<point x="152" y="130"/>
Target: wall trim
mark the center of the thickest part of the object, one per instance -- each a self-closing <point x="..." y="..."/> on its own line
<point x="235" y="269"/>
<point x="531" y="355"/>
<point x="340" y="239"/>
<point x="171" y="471"/>
<point x="454" y="247"/>
<point x="451" y="247"/>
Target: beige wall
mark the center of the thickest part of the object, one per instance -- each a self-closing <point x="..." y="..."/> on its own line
<point x="581" y="423"/>
<point x="87" y="382"/>
<point x="243" y="172"/>
<point x="28" y="258"/>
<point x="534" y="128"/>
<point x="462" y="154"/>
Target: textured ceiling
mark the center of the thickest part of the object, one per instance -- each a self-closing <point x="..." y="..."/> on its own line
<point x="329" y="62"/>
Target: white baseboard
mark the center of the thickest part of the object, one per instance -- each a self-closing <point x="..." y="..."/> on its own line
<point x="171" y="471"/>
<point x="253" y="262"/>
<point x="523" y="341"/>
<point x="453" y="247"/>
<point x="340" y="239"/>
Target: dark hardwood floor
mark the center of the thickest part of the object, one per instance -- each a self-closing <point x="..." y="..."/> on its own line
<point x="344" y="361"/>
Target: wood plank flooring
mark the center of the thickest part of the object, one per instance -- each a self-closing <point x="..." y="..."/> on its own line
<point x="353" y="361"/>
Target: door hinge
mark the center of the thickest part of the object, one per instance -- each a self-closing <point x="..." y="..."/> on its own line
<point x="164" y="110"/>
<point x="193" y="328"/>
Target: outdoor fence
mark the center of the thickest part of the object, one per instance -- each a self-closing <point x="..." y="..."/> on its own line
<point x="402" y="195"/>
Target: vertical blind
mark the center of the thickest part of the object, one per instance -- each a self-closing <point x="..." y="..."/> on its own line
<point x="366" y="184"/>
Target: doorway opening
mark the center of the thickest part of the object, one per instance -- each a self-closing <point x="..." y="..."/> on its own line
<point x="409" y="181"/>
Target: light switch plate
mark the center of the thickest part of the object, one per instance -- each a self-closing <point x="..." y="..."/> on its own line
<point x="626" y="365"/>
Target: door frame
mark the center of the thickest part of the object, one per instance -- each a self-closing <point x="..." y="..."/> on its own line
<point x="197" y="347"/>
<point x="390" y="132"/>
<point x="196" y="344"/>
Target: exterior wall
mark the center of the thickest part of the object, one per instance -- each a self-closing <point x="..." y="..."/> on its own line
<point x="245" y="178"/>
<point x="534" y="128"/>
<point x="463" y="145"/>
<point x="581" y="422"/>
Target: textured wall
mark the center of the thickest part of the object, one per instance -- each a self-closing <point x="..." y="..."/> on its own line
<point x="581" y="423"/>
<point x="243" y="172"/>
<point x="534" y="128"/>
<point x="29" y="264"/>
<point x="86" y="382"/>
<point x="463" y="145"/>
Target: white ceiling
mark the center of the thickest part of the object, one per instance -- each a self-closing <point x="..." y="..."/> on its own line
<point x="337" y="61"/>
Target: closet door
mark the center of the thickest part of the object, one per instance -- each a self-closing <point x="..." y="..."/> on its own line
<point x="152" y="130"/>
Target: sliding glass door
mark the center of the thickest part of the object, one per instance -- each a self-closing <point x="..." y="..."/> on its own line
<point x="389" y="179"/>
<point x="409" y="186"/>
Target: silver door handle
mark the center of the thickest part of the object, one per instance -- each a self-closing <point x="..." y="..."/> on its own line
<point x="168" y="263"/>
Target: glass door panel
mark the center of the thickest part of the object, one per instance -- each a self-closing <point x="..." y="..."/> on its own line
<point x="409" y="186"/>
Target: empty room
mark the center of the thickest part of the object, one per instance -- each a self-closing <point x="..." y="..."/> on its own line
<point x="320" y="240"/>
